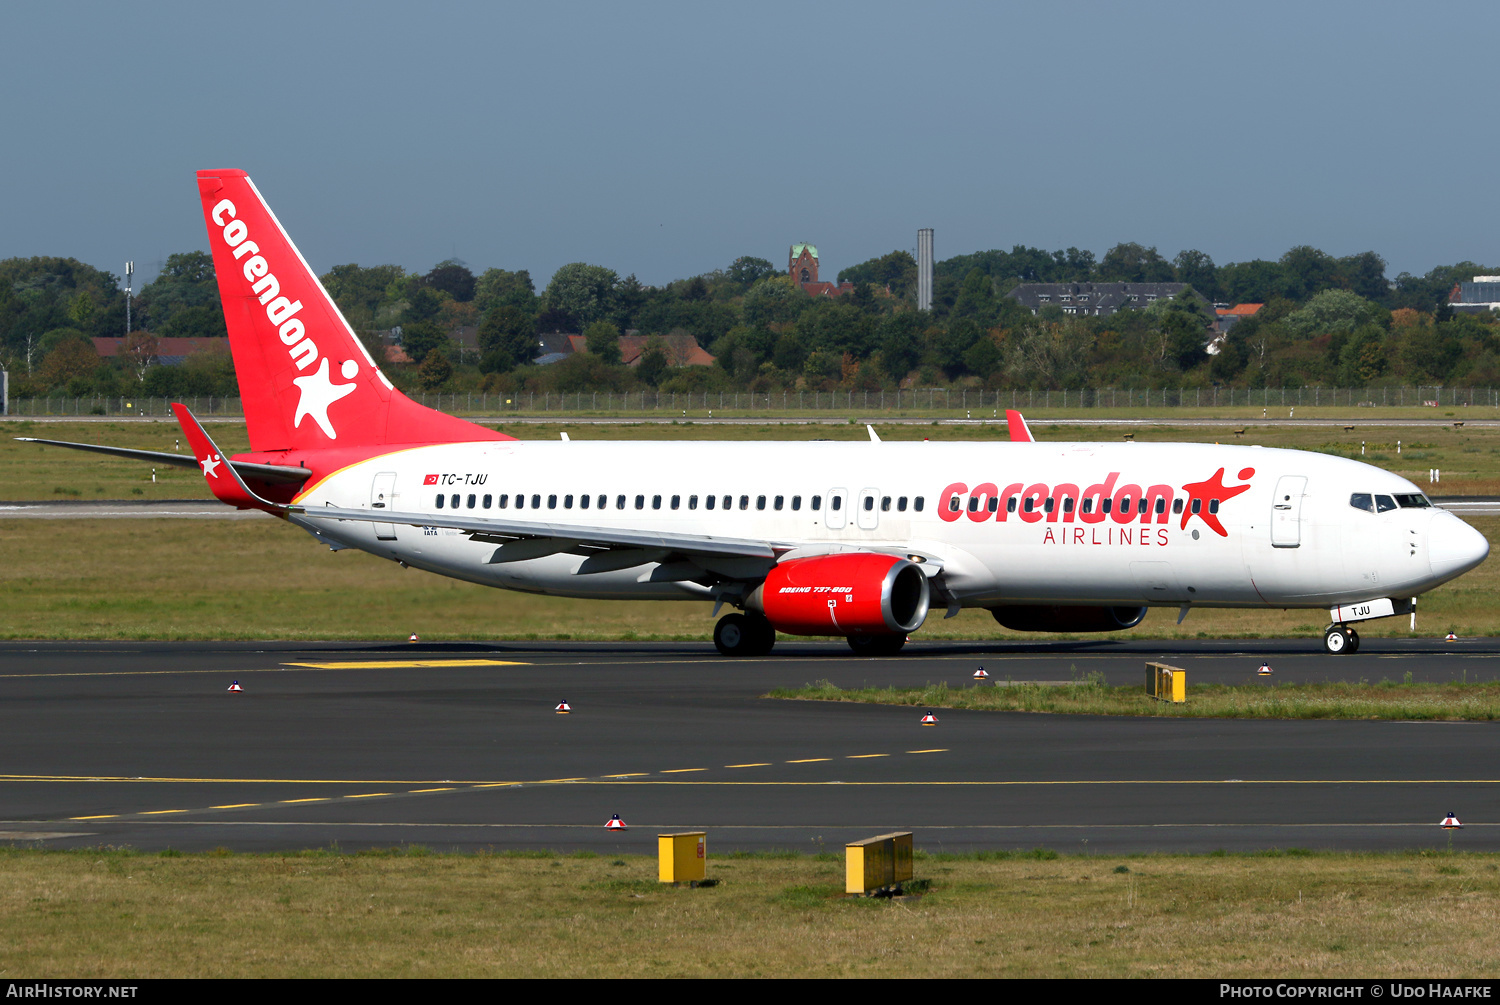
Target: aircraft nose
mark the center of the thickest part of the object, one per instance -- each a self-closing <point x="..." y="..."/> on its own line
<point x="1453" y="547"/>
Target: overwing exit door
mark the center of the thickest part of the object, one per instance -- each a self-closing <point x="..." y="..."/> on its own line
<point x="868" y="514"/>
<point x="1286" y="512"/>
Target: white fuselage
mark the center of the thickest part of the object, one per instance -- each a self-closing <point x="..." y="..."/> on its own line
<point x="1290" y="535"/>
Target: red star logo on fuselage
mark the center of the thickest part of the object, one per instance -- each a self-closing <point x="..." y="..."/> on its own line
<point x="1209" y="489"/>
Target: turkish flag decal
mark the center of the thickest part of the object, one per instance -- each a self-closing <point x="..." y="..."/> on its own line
<point x="430" y="480"/>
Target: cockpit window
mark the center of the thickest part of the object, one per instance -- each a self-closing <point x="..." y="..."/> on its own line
<point x="1384" y="504"/>
<point x="1363" y="500"/>
<point x="1413" y="501"/>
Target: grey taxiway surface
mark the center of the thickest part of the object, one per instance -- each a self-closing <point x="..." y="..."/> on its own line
<point x="458" y="746"/>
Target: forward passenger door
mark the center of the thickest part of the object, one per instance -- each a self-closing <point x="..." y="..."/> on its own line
<point x="1286" y="512"/>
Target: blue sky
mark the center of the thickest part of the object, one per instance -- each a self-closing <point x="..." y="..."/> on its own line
<point x="669" y="139"/>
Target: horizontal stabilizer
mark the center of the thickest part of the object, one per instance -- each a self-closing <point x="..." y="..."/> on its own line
<point x="281" y="474"/>
<point x="226" y="484"/>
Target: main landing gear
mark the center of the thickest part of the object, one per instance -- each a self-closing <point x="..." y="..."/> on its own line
<point x="744" y="635"/>
<point x="1341" y="639"/>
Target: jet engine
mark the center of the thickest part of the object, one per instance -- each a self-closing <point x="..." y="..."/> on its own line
<point x="851" y="594"/>
<point x="1057" y="618"/>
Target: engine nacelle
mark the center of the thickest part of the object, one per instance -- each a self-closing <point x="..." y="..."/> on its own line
<point x="860" y="593"/>
<point x="1058" y="618"/>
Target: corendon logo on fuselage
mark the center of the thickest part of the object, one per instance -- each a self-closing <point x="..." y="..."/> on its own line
<point x="1106" y="502"/>
<point x="317" y="390"/>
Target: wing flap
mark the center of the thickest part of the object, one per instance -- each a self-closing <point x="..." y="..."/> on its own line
<point x="607" y="537"/>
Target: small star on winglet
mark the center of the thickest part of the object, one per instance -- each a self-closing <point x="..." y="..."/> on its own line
<point x="211" y="465"/>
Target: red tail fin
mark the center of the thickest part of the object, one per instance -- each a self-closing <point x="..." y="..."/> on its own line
<point x="305" y="379"/>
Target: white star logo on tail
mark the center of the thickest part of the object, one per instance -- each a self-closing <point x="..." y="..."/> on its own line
<point x="318" y="392"/>
<point x="211" y="466"/>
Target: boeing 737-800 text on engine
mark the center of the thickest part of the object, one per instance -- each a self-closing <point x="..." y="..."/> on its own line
<point x="857" y="540"/>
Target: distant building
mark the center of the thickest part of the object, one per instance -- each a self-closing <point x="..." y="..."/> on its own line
<point x="1093" y="299"/>
<point x="1228" y="316"/>
<point x="802" y="266"/>
<point x="390" y="344"/>
<point x="681" y="349"/>
<point x="1480" y="295"/>
<point x="169" y="351"/>
<point x="558" y="346"/>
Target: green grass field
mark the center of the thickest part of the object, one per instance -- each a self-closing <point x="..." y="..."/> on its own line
<point x="405" y="913"/>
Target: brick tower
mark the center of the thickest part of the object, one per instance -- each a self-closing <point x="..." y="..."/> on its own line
<point x="802" y="264"/>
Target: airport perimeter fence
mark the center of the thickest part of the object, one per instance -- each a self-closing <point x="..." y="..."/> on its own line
<point x="936" y="401"/>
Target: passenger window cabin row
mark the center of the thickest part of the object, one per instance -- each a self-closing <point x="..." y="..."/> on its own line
<point x="1369" y="502"/>
<point x="521" y="501"/>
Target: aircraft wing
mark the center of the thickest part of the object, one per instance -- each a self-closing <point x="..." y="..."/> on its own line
<point x="501" y="530"/>
<point x="281" y="474"/>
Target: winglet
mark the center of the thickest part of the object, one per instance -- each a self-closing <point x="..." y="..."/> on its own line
<point x="223" y="480"/>
<point x="873" y="437"/>
<point x="1019" y="431"/>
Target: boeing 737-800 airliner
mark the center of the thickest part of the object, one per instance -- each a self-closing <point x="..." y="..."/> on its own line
<point x="858" y="540"/>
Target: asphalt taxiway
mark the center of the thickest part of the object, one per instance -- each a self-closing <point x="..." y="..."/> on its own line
<point x="458" y="746"/>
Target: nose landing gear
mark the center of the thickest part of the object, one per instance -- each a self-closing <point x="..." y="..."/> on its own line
<point x="1341" y="639"/>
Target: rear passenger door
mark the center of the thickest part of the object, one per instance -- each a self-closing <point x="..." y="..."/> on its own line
<point x="382" y="492"/>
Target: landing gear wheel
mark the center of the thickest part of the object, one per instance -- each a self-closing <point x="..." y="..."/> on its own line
<point x="762" y="634"/>
<point x="732" y="635"/>
<point x="1353" y="641"/>
<point x="744" y="635"/>
<point x="1336" y="640"/>
<point x="876" y="645"/>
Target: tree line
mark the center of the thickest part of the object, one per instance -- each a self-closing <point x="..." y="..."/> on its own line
<point x="1326" y="321"/>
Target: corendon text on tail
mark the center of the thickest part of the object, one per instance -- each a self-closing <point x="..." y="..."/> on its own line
<point x="861" y="540"/>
